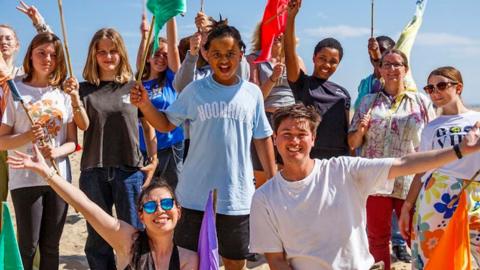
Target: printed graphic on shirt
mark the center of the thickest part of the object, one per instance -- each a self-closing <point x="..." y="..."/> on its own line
<point x="46" y="112"/>
<point x="221" y="109"/>
<point x="449" y="136"/>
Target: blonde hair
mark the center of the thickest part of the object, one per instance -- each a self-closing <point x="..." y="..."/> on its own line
<point x="91" y="72"/>
<point x="257" y="39"/>
<point x="60" y="73"/>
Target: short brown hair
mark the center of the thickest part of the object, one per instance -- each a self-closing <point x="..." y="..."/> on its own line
<point x="91" y="72"/>
<point x="395" y="51"/>
<point x="60" y="73"/>
<point x="447" y="72"/>
<point x="297" y="111"/>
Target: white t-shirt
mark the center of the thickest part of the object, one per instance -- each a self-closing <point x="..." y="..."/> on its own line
<point x="319" y="221"/>
<point x="49" y="106"/>
<point x="446" y="131"/>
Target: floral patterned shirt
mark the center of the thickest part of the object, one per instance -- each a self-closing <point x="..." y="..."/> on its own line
<point x="395" y="128"/>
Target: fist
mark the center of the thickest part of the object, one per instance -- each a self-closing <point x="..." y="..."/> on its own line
<point x="195" y="43"/>
<point x="71" y="86"/>
<point x="138" y="95"/>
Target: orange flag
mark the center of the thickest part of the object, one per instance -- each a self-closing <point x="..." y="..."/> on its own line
<point x="453" y="249"/>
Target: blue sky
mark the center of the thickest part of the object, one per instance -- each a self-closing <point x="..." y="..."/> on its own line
<point x="449" y="34"/>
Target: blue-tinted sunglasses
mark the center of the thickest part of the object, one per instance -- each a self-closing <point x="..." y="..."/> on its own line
<point x="151" y="206"/>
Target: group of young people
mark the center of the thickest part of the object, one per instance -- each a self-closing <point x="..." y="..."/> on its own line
<point x="155" y="150"/>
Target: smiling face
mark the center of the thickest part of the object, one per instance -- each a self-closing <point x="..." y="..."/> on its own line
<point x="393" y="68"/>
<point x="449" y="95"/>
<point x="8" y="42"/>
<point x="294" y="140"/>
<point x="107" y="56"/>
<point x="325" y="62"/>
<point x="224" y="57"/>
<point x="160" y="220"/>
<point x="159" y="60"/>
<point x="44" y="59"/>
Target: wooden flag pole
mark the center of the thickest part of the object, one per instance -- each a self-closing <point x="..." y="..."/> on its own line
<point x="372" y="18"/>
<point x="215" y="201"/>
<point x="65" y="42"/>
<point x="145" y="51"/>
<point x="452" y="202"/>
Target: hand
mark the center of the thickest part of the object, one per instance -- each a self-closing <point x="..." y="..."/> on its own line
<point x="404" y="220"/>
<point x="202" y="21"/>
<point x="71" y="86"/>
<point x="34" y="163"/>
<point x="144" y="27"/>
<point x="195" y="43"/>
<point x="48" y="151"/>
<point x="138" y="95"/>
<point x="374" y="49"/>
<point x="294" y="7"/>
<point x="364" y="124"/>
<point x="32" y="12"/>
<point x="149" y="171"/>
<point x="277" y="71"/>
<point x="37" y="133"/>
<point x="473" y="135"/>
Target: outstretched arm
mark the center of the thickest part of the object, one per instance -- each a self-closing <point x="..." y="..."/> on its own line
<point x="116" y="232"/>
<point x="425" y="161"/>
<point x="139" y="98"/>
<point x="291" y="58"/>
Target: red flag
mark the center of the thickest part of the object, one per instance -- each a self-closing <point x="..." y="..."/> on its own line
<point x="453" y="248"/>
<point x="273" y="23"/>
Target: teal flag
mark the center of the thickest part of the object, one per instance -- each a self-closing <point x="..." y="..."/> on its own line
<point x="9" y="254"/>
<point x="164" y="10"/>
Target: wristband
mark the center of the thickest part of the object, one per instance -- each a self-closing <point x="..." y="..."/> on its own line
<point x="456" y="148"/>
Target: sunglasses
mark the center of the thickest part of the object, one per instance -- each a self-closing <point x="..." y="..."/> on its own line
<point x="441" y="86"/>
<point x="151" y="206"/>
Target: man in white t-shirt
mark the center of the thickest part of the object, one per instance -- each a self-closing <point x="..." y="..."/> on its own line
<point x="311" y="215"/>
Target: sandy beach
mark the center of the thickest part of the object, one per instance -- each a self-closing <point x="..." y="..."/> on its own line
<point x="75" y="232"/>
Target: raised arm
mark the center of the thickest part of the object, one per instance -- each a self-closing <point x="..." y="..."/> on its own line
<point x="117" y="233"/>
<point x="186" y="72"/>
<point x="139" y="98"/>
<point x="173" y="55"/>
<point x="144" y="28"/>
<point x="80" y="116"/>
<point x="425" y="161"/>
<point x="35" y="16"/>
<point x="291" y="58"/>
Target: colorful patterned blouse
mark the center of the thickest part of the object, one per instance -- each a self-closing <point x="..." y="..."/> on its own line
<point x="395" y="128"/>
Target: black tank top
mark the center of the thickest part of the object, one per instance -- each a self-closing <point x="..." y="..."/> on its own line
<point x="142" y="257"/>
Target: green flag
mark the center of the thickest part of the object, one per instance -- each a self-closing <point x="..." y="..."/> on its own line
<point x="164" y="10"/>
<point x="9" y="254"/>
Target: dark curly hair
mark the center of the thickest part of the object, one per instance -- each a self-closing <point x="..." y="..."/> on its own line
<point x="225" y="31"/>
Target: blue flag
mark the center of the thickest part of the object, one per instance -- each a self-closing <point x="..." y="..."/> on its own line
<point x="207" y="243"/>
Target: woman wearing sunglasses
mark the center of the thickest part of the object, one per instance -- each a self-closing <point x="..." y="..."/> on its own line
<point x="150" y="249"/>
<point x="438" y="188"/>
<point x="389" y="124"/>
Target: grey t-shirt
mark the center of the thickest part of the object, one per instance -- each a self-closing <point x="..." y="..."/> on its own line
<point x="111" y="140"/>
<point x="281" y="95"/>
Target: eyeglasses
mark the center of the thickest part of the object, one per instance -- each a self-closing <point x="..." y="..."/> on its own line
<point x="441" y="86"/>
<point x="151" y="206"/>
<point x="392" y="65"/>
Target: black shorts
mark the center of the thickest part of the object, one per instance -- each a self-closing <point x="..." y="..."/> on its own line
<point x="233" y="233"/>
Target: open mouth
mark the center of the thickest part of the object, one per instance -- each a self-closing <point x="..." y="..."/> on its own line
<point x="224" y="68"/>
<point x="294" y="149"/>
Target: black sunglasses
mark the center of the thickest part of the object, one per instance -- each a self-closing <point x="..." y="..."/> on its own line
<point x="151" y="206"/>
<point x="441" y="86"/>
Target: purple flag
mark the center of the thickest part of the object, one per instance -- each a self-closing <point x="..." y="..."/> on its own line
<point x="207" y="242"/>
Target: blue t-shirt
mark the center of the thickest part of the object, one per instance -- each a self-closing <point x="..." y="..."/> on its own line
<point x="162" y="98"/>
<point x="223" y="121"/>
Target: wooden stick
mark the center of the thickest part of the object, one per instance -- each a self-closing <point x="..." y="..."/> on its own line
<point x="267" y="21"/>
<point x="452" y="202"/>
<point x="372" y="19"/>
<point x="65" y="42"/>
<point x="145" y="51"/>
<point x="215" y="201"/>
